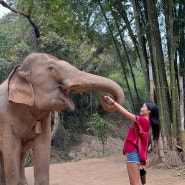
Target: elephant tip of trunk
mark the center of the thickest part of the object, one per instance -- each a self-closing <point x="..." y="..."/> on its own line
<point x="107" y="107"/>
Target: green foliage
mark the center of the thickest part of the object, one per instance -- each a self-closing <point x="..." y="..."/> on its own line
<point x="99" y="127"/>
<point x="51" y="43"/>
<point x="29" y="158"/>
<point x="65" y="138"/>
<point x="62" y="139"/>
<point x="13" y="45"/>
<point x="21" y="49"/>
<point x="67" y="133"/>
<point x="5" y="68"/>
<point x="55" y="44"/>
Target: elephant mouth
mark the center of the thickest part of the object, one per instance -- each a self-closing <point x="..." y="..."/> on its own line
<point x="73" y="89"/>
<point x="66" y="98"/>
<point x="65" y="92"/>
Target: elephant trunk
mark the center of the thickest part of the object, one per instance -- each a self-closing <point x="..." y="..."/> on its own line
<point x="85" y="82"/>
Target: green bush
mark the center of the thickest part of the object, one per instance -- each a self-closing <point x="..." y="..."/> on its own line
<point x="99" y="127"/>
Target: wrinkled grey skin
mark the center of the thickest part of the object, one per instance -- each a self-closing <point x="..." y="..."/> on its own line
<point x="40" y="84"/>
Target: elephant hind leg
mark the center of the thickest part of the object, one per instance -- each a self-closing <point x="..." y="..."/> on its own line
<point x="2" y="174"/>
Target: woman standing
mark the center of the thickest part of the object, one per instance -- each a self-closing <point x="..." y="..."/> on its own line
<point x="136" y="142"/>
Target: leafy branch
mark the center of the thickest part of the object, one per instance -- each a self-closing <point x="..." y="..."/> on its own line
<point x="28" y="16"/>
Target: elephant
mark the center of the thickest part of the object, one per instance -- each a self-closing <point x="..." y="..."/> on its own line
<point x="40" y="84"/>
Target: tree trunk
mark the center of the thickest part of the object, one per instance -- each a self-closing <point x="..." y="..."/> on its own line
<point x="142" y="57"/>
<point x="151" y="81"/>
<point x="170" y="40"/>
<point x="118" y="52"/>
<point x="155" y="64"/>
<point x="95" y="54"/>
<point x="55" y="126"/>
<point x="128" y="60"/>
<point x="181" y="103"/>
<point x="157" y="75"/>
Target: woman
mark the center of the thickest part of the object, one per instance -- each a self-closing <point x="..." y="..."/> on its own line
<point x="136" y="142"/>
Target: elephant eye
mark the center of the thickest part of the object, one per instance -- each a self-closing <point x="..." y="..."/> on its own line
<point x="51" y="67"/>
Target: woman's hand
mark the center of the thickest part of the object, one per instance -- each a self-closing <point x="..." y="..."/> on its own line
<point x="108" y="99"/>
<point x="121" y="109"/>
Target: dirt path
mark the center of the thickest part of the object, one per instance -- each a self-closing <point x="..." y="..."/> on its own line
<point x="103" y="171"/>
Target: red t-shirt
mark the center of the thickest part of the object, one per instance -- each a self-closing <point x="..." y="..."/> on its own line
<point x="137" y="138"/>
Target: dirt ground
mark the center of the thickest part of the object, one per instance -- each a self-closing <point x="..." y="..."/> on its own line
<point x="89" y="168"/>
<point x="104" y="171"/>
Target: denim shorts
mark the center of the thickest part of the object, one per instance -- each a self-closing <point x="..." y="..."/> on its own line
<point x="133" y="157"/>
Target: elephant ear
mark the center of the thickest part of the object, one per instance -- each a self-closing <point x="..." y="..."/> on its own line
<point x="20" y="89"/>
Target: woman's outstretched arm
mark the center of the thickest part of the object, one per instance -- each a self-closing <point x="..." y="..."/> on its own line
<point x="121" y="109"/>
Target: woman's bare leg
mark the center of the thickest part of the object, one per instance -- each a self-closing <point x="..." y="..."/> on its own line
<point x="134" y="173"/>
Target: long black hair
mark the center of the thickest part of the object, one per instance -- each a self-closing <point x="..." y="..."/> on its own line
<point x="154" y="119"/>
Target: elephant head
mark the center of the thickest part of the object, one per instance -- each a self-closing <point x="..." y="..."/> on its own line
<point x="46" y="82"/>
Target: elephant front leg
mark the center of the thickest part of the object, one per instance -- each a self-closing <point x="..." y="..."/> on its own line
<point x="41" y="159"/>
<point x="41" y="154"/>
<point x="12" y="165"/>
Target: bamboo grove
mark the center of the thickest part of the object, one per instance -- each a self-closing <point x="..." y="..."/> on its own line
<point x="167" y="61"/>
<point x="155" y="22"/>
